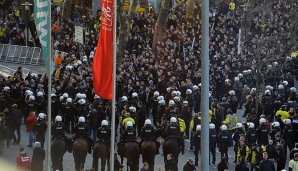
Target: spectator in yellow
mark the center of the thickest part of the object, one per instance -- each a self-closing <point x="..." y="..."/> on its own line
<point x="283" y="113"/>
<point x="128" y="118"/>
<point x="231" y="122"/>
<point x="182" y="125"/>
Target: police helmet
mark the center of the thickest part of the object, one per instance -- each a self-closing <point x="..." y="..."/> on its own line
<point x="53" y="95"/>
<point x="275" y="124"/>
<point x="287" y="121"/>
<point x="6" y="88"/>
<point x="134" y="94"/>
<point x="195" y="87"/>
<point x="174" y="93"/>
<point x="65" y="95"/>
<point x="268" y="92"/>
<point x="31" y="98"/>
<point x="171" y="103"/>
<point x="82" y="119"/>
<point x="58" y="119"/>
<point x="236" y="79"/>
<point x="161" y="102"/>
<point x="280" y="87"/>
<point x="82" y="101"/>
<point x="177" y="98"/>
<point x="41" y="116"/>
<point x="39" y="94"/>
<point x="147" y="122"/>
<point x="211" y="126"/>
<point x="78" y="95"/>
<point x="156" y="93"/>
<point x="185" y="102"/>
<point x="61" y="98"/>
<point x="188" y="91"/>
<point x="285" y="83"/>
<point x="104" y="123"/>
<point x="69" y="100"/>
<point x="83" y="96"/>
<point x="232" y="93"/>
<point x="223" y="127"/>
<point x="160" y="98"/>
<point x="240" y="75"/>
<point x="250" y="125"/>
<point x="178" y="93"/>
<point x="129" y="123"/>
<point x="173" y="120"/>
<point x="96" y="96"/>
<point x="123" y="98"/>
<point x="293" y="89"/>
<point x="239" y="125"/>
<point x="262" y="120"/>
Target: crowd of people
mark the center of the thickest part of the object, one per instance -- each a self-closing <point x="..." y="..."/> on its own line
<point x="165" y="84"/>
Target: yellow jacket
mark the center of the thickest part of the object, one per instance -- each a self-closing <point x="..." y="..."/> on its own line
<point x="2" y="31"/>
<point x="182" y="125"/>
<point x="192" y="123"/>
<point x="284" y="114"/>
<point x="231" y="121"/>
<point x="232" y="6"/>
<point x="246" y="153"/>
<point x="128" y="119"/>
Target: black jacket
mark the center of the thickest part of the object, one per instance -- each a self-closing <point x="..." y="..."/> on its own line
<point x="104" y="133"/>
<point x="37" y="159"/>
<point x="188" y="167"/>
<point x="222" y="166"/>
<point x="266" y="165"/>
<point x="242" y="167"/>
<point x="148" y="133"/>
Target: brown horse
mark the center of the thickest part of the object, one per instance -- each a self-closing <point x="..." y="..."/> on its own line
<point x="132" y="153"/>
<point x="148" y="153"/>
<point x="57" y="152"/>
<point x="79" y="153"/>
<point x="101" y="150"/>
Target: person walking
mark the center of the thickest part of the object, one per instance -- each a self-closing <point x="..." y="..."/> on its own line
<point x="266" y="164"/>
<point x="31" y="120"/>
<point x="38" y="157"/>
<point x="23" y="160"/>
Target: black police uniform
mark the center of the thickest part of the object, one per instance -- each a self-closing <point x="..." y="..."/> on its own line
<point x="262" y="134"/>
<point x="173" y="132"/>
<point x="251" y="137"/>
<point x="197" y="144"/>
<point x="212" y="144"/>
<point x="40" y="128"/>
<point x="129" y="134"/>
<point x="58" y="131"/>
<point x="81" y="130"/>
<point x="104" y="134"/>
<point x="288" y="136"/>
<point x="223" y="143"/>
<point x="148" y="134"/>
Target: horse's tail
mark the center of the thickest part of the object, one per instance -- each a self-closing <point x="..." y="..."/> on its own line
<point x="80" y="154"/>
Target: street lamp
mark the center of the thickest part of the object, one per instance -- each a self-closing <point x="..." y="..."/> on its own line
<point x="27" y="9"/>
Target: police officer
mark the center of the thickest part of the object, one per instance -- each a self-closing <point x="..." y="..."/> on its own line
<point x="54" y="103"/>
<point x="197" y="143"/>
<point x="223" y="141"/>
<point x="250" y="136"/>
<point x="69" y="113"/>
<point x="276" y="130"/>
<point x="148" y="134"/>
<point x="186" y="116"/>
<point x="288" y="135"/>
<point x="161" y="110"/>
<point x="58" y="131"/>
<point x="193" y="125"/>
<point x="3" y="131"/>
<point x="154" y="103"/>
<point x="129" y="133"/>
<point x="212" y="141"/>
<point x="41" y="103"/>
<point x="173" y="132"/>
<point x="40" y="128"/>
<point x="104" y="132"/>
<point x="262" y="133"/>
<point x="236" y="136"/>
<point x="81" y="130"/>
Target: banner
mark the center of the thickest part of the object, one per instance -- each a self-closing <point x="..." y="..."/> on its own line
<point x="42" y="26"/>
<point x="102" y="67"/>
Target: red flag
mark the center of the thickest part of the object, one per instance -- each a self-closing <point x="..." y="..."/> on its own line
<point x="102" y="67"/>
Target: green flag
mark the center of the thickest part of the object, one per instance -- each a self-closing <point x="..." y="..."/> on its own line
<point x="42" y="21"/>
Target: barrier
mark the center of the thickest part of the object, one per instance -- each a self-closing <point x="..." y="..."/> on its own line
<point x="23" y="54"/>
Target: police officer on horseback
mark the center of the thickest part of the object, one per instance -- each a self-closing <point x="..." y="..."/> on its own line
<point x="58" y="131"/>
<point x="104" y="132"/>
<point x="148" y="134"/>
<point x="81" y="130"/>
<point x="173" y="132"/>
<point x="129" y="134"/>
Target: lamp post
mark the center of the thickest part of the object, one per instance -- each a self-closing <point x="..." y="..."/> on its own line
<point x="27" y="9"/>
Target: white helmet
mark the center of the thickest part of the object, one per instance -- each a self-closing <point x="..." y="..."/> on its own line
<point x="227" y="80"/>
<point x="61" y="98"/>
<point x="82" y="119"/>
<point x="161" y="102"/>
<point x="174" y="93"/>
<point x="79" y="95"/>
<point x="275" y="124"/>
<point x="250" y="125"/>
<point x="198" y="128"/>
<point x="30" y="93"/>
<point x="6" y="88"/>
<point x="280" y="87"/>
<point x="156" y="93"/>
<point x="210" y="94"/>
<point x="293" y="89"/>
<point x="31" y="98"/>
<point x="82" y="101"/>
<point x="123" y="98"/>
<point x="96" y="96"/>
<point x="131" y="108"/>
<point x="232" y="93"/>
<point x="211" y="126"/>
<point x="200" y="84"/>
<point x="173" y="120"/>
<point x="169" y="89"/>
<point x="262" y="120"/>
<point x="171" y="103"/>
<point x="69" y="100"/>
<point x="134" y="94"/>
<point x="239" y="125"/>
<point x="185" y="102"/>
<point x="65" y="95"/>
<point x="268" y="92"/>
<point x="244" y="72"/>
<point x="160" y="98"/>
<point x="69" y="67"/>
<point x="178" y="93"/>
<point x="285" y="83"/>
<point x="83" y="96"/>
<point x="223" y="127"/>
<point x="104" y="123"/>
<point x="236" y="79"/>
<point x="147" y="122"/>
<point x="53" y="95"/>
<point x="39" y="94"/>
<point x="58" y="119"/>
<point x="41" y="115"/>
<point x="275" y="64"/>
<point x="249" y="71"/>
<point x="287" y="121"/>
<point x="253" y="90"/>
<point x="188" y="91"/>
<point x="129" y="123"/>
<point x="177" y="98"/>
<point x="195" y="87"/>
<point x="240" y="75"/>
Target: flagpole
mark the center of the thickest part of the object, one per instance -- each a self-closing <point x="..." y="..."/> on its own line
<point x="49" y="84"/>
<point x="114" y="88"/>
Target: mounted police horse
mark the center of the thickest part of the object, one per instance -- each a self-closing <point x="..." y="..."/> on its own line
<point x="101" y="150"/>
<point x="79" y="147"/>
<point x="131" y="151"/>
<point x="58" y="148"/>
<point x="148" y="153"/>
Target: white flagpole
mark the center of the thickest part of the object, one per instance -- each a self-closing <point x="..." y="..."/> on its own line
<point x="114" y="89"/>
<point x="49" y="84"/>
